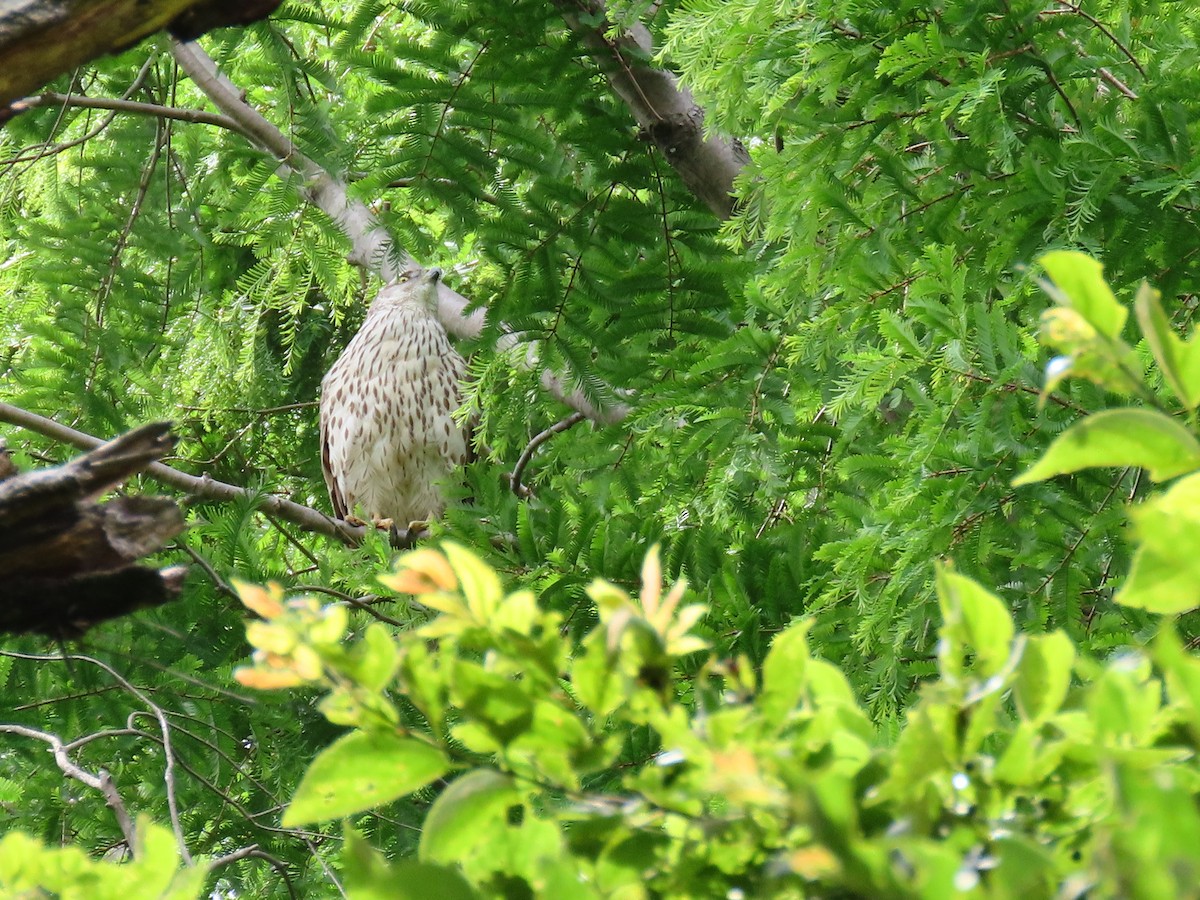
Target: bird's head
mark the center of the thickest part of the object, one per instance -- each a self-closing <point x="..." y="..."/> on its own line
<point x="413" y="285"/>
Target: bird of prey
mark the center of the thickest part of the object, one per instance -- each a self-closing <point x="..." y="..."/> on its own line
<point x="388" y="436"/>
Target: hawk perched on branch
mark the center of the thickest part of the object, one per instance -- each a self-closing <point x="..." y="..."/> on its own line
<point x="388" y="436"/>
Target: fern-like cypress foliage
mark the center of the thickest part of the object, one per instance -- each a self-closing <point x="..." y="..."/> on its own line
<point x="828" y="392"/>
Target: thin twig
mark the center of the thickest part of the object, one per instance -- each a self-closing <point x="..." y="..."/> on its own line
<point x="219" y="582"/>
<point x="363" y="603"/>
<point x="44" y="150"/>
<point x="1078" y="10"/>
<point x="253" y="852"/>
<point x="514" y="480"/>
<point x="168" y="751"/>
<point x="1117" y="83"/>
<point x="250" y="410"/>
<point x="195" y="116"/>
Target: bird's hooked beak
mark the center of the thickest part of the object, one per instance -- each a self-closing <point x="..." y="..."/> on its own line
<point x="433" y="275"/>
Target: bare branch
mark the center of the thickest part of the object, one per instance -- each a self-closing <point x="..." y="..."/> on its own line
<point x="168" y="750"/>
<point x="363" y="603"/>
<point x="514" y="480"/>
<point x="100" y="781"/>
<point x="202" y="487"/>
<point x="218" y="582"/>
<point x="254" y="852"/>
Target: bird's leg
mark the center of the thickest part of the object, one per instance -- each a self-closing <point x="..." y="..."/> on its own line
<point x="355" y="521"/>
<point x="405" y="538"/>
<point x="383" y="524"/>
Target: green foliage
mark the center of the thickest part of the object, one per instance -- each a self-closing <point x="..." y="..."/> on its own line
<point x="1162" y="576"/>
<point x="30" y="870"/>
<point x="906" y="161"/>
<point x="828" y="392"/>
<point x="593" y="769"/>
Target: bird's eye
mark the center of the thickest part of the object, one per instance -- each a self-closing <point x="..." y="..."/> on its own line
<point x="403" y="278"/>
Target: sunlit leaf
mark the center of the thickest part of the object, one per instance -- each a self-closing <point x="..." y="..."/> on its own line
<point x="360" y="771"/>
<point x="1165" y="574"/>
<point x="1178" y="360"/>
<point x="1080" y="284"/>
<point x="1119" y="437"/>
<point x="462" y="818"/>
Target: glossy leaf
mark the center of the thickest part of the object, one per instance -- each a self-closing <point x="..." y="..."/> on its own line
<point x="784" y="673"/>
<point x="976" y="624"/>
<point x="369" y="876"/>
<point x="465" y="814"/>
<point x="1044" y="674"/>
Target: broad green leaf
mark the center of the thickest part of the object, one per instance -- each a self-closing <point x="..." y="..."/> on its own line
<point x="975" y="623"/>
<point x="374" y="659"/>
<point x="352" y="707"/>
<point x="1025" y="867"/>
<point x="1124" y="700"/>
<point x="360" y="771"/>
<point x="1044" y="674"/>
<point x="466" y="814"/>
<point x="502" y="705"/>
<point x="1165" y="574"/>
<point x="156" y="857"/>
<point x="596" y="677"/>
<point x="478" y="581"/>
<point x="1179" y="360"/>
<point x="1156" y="832"/>
<point x="1080" y="284"/>
<point x="1119" y="437"/>
<point x="1085" y="353"/>
<point x="1181" y="670"/>
<point x="1030" y="756"/>
<point x="783" y="673"/>
<point x="187" y="884"/>
<point x="369" y="876"/>
<point x="330" y="626"/>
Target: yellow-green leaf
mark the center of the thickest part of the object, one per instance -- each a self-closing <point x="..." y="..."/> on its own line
<point x="1080" y="284"/>
<point x="479" y="582"/>
<point x="360" y="771"/>
<point x="466" y="813"/>
<point x="976" y="624"/>
<point x="1179" y="360"/>
<point x="1120" y="437"/>
<point x="1165" y="574"/>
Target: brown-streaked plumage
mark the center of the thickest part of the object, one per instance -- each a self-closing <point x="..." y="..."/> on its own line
<point x="388" y="436"/>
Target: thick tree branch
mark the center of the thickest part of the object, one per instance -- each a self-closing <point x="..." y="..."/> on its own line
<point x="41" y="39"/>
<point x="665" y="110"/>
<point x="203" y="487"/>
